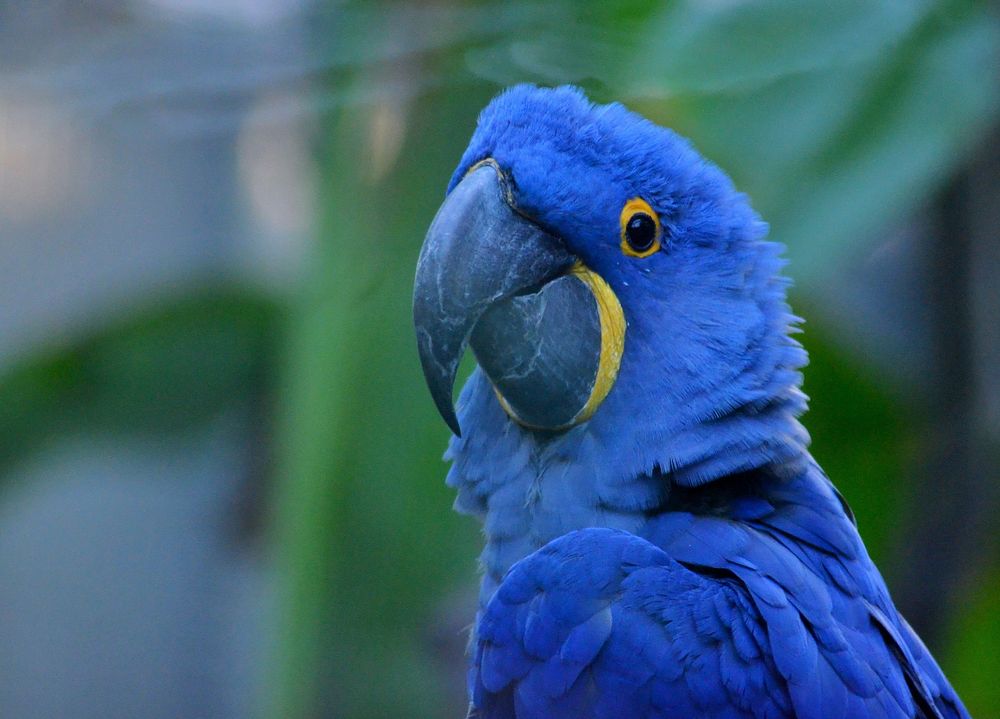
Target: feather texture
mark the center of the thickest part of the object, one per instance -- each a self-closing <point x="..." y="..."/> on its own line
<point x="705" y="616"/>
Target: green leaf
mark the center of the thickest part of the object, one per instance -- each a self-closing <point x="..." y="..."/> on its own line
<point x="917" y="123"/>
<point x="164" y="370"/>
<point x="697" y="46"/>
<point x="974" y="637"/>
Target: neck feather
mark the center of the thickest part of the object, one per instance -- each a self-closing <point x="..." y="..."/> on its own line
<point x="654" y="432"/>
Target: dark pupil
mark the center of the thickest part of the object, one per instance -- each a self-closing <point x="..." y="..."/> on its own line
<point x="640" y="232"/>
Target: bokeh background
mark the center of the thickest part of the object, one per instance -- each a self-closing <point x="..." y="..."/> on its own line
<point x="221" y="492"/>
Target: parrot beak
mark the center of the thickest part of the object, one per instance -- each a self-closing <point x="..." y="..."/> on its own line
<point x="546" y="331"/>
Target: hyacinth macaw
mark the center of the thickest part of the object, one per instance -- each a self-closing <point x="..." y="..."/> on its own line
<point x="659" y="542"/>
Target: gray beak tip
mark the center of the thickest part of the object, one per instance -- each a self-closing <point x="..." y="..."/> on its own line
<point x="439" y="376"/>
<point x="445" y="407"/>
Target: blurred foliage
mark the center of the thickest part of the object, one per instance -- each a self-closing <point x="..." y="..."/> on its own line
<point x="971" y="656"/>
<point x="862" y="436"/>
<point x="837" y="118"/>
<point x="157" y="372"/>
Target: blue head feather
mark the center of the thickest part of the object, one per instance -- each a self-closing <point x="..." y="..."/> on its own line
<point x="709" y="380"/>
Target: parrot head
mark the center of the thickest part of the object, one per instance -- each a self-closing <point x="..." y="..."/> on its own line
<point x="616" y="290"/>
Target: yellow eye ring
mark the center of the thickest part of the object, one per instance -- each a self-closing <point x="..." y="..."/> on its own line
<point x="640" y="228"/>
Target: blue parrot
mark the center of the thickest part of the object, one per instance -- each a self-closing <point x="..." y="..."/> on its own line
<point x="659" y="541"/>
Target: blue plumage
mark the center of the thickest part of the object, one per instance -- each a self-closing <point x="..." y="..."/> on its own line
<point x="680" y="554"/>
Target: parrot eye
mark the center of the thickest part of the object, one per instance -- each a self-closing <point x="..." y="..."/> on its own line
<point x="640" y="229"/>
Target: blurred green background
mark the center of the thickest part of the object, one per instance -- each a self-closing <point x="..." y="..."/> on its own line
<point x="222" y="493"/>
